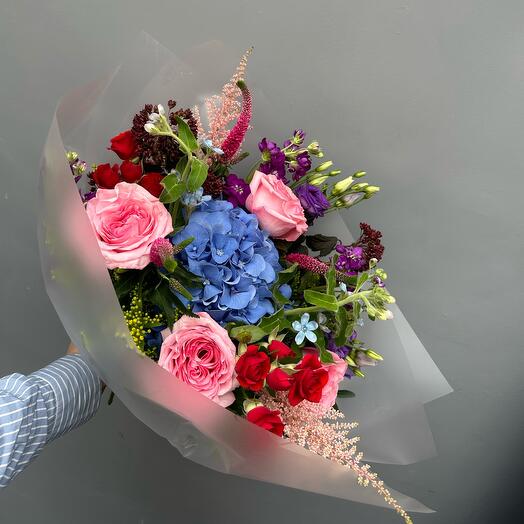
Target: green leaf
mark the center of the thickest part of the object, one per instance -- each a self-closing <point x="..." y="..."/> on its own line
<point x="276" y="321"/>
<point x="341" y="336"/>
<point x="328" y="302"/>
<point x="345" y="393"/>
<point x="321" y="243"/>
<point x="247" y="333"/>
<point x="173" y="188"/>
<point x="186" y="135"/>
<point x="362" y="279"/>
<point x="181" y="164"/>
<point x="325" y="356"/>
<point x="198" y="174"/>
<point x="165" y="300"/>
<point x="331" y="279"/>
<point x="125" y="281"/>
<point x="170" y="264"/>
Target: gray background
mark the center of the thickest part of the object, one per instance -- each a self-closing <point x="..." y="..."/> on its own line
<point x="428" y="97"/>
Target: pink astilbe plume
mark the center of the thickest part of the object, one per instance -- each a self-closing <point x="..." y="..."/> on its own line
<point x="225" y="108"/>
<point x="234" y="139"/>
<point x="327" y="434"/>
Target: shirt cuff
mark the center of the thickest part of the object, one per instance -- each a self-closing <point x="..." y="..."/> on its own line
<point x="71" y="389"/>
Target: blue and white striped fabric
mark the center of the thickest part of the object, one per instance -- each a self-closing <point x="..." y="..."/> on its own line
<point x="40" y="407"/>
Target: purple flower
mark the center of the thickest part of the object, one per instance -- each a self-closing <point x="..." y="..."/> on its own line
<point x="312" y="200"/>
<point x="341" y="351"/>
<point x="301" y="165"/>
<point x="351" y="260"/>
<point x="236" y="190"/>
<point x="273" y="159"/>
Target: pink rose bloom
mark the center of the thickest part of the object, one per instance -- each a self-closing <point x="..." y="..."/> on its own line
<point x="126" y="221"/>
<point x="336" y="372"/>
<point x="277" y="208"/>
<point x="200" y="353"/>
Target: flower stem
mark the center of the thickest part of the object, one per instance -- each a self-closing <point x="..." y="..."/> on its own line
<point x="353" y="297"/>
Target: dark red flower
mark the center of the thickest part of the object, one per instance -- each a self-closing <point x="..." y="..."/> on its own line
<point x="151" y="182"/>
<point x="131" y="172"/>
<point x="124" y="145"/>
<point x="267" y="419"/>
<point x="280" y="350"/>
<point x="106" y="176"/>
<point x="252" y="368"/>
<point x="309" y="381"/>
<point x="279" y="380"/>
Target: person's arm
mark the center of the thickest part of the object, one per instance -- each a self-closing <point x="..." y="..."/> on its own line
<point x="40" y="407"/>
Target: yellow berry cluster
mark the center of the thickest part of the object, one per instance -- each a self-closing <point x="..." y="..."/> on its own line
<point x="139" y="321"/>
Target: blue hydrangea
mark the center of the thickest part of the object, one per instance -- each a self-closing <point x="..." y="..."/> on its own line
<point x="235" y="259"/>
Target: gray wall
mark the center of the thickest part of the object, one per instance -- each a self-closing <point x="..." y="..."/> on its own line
<point x="428" y="97"/>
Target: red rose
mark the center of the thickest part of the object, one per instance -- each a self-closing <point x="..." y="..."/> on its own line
<point x="279" y="380"/>
<point x="280" y="350"/>
<point x="130" y="172"/>
<point x="151" y="181"/>
<point x="252" y="368"/>
<point x="267" y="419"/>
<point x="105" y="176"/>
<point x="124" y="145"/>
<point x="309" y="381"/>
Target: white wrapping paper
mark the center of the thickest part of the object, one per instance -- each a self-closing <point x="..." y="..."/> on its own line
<point x="82" y="293"/>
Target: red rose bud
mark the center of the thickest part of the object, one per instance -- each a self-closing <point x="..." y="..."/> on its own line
<point x="151" y="182"/>
<point x="106" y="176"/>
<point x="130" y="172"/>
<point x="279" y="380"/>
<point x="309" y="381"/>
<point x="266" y="419"/>
<point x="124" y="145"/>
<point x="252" y="368"/>
<point x="280" y="350"/>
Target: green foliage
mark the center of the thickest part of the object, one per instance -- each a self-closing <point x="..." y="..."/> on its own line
<point x="345" y="393"/>
<point x="247" y="333"/>
<point x="321" y="243"/>
<point x="173" y="188"/>
<point x="197" y="175"/>
<point x="323" y="300"/>
<point x="186" y="135"/>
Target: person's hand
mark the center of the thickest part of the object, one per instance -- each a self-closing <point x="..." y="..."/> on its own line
<point x="72" y="349"/>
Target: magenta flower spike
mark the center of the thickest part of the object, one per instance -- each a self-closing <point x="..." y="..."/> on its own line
<point x="234" y="139"/>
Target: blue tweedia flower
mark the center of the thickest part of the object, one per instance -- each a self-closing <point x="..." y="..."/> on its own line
<point x="305" y="329"/>
<point x="235" y="259"/>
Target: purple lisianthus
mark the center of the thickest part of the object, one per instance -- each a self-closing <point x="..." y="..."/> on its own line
<point x="312" y="200"/>
<point x="351" y="260"/>
<point x="236" y="190"/>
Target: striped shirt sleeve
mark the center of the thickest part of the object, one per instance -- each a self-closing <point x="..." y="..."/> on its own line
<point x="40" y="407"/>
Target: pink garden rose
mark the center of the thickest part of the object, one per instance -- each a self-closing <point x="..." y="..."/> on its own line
<point x="126" y="221"/>
<point x="336" y="372"/>
<point x="277" y="208"/>
<point x="200" y="353"/>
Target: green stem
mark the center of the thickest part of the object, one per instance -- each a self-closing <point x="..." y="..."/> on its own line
<point x="354" y="297"/>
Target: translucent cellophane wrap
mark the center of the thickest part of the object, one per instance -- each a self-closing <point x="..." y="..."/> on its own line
<point x="389" y="405"/>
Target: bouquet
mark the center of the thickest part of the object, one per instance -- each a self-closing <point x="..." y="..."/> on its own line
<point x="223" y="287"/>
